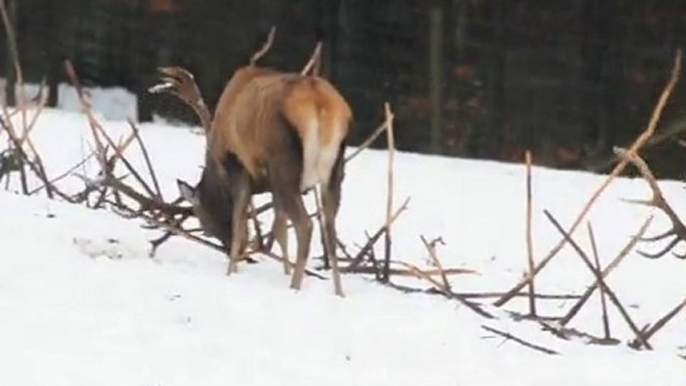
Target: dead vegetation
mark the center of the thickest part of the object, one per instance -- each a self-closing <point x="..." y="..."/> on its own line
<point x="136" y="194"/>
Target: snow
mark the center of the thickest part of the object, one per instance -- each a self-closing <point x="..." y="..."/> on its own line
<point x="81" y="303"/>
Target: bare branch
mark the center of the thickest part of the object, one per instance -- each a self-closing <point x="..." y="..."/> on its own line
<point x="370" y="243"/>
<point x="431" y="248"/>
<point x="520" y="341"/>
<point x="603" y="302"/>
<point x="379" y="130"/>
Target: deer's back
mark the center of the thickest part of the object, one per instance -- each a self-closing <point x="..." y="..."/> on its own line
<point x="268" y="109"/>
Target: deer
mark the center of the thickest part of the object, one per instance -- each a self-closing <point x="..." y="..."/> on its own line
<point x="272" y="131"/>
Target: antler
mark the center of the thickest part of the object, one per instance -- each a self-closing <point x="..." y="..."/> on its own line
<point x="678" y="230"/>
<point x="265" y="47"/>
<point x="180" y="82"/>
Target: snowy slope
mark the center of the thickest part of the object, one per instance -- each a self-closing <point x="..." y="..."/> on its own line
<point x="82" y="304"/>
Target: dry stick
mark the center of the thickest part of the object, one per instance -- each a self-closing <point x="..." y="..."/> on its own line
<point x="638" y="143"/>
<point x="187" y="235"/>
<point x="617" y="260"/>
<point x="37" y="166"/>
<point x="428" y="272"/>
<point x="40" y="167"/>
<point x="432" y="253"/>
<point x="529" y="234"/>
<point x="520" y="341"/>
<point x="343" y="249"/>
<point x="434" y="272"/>
<point x="9" y="128"/>
<point x="146" y="156"/>
<point x="389" y="202"/>
<point x="315" y="61"/>
<point x="34" y="168"/>
<point x="25" y="137"/>
<point x="660" y="323"/>
<point x="367" y="142"/>
<point x="265" y="47"/>
<point x="445" y="291"/>
<point x="97" y="130"/>
<point x="29" y="129"/>
<point x="483" y="295"/>
<point x="175" y="223"/>
<point x="603" y="301"/>
<point x="60" y="177"/>
<point x="370" y="243"/>
<point x="119" y="153"/>
<point x="600" y="280"/>
<point x="86" y="107"/>
<point x="375" y="264"/>
<point x="146" y="203"/>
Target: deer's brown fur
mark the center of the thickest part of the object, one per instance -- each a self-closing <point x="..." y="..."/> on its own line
<point x="278" y="132"/>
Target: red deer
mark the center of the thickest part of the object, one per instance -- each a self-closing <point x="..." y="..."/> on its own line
<point x="275" y="132"/>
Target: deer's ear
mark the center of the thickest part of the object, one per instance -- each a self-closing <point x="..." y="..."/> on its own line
<point x="188" y="192"/>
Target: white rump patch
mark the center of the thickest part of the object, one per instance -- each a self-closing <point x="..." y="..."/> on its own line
<point x="318" y="158"/>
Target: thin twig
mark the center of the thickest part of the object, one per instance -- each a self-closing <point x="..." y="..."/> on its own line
<point x="63" y="175"/>
<point x="367" y="142"/>
<point x="370" y="243"/>
<point x="146" y="156"/>
<point x="432" y="253"/>
<point x="521" y="341"/>
<point x="603" y="302"/>
<point x="412" y="272"/>
<point x="16" y="144"/>
<point x="445" y="291"/>
<point x="32" y="165"/>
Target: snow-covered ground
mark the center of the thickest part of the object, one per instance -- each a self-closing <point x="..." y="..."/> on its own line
<point x="81" y="303"/>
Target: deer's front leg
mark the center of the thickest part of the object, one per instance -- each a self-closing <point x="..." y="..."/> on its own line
<point x="241" y="198"/>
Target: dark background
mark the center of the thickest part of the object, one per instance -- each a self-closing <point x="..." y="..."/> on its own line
<point x="567" y="79"/>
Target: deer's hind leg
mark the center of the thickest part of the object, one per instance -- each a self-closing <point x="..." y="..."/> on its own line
<point x="331" y="198"/>
<point x="280" y="232"/>
<point x="285" y="171"/>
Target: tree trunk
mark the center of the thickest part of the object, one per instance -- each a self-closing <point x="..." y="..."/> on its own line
<point x="436" y="76"/>
<point x="10" y="86"/>
<point x="53" y="51"/>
